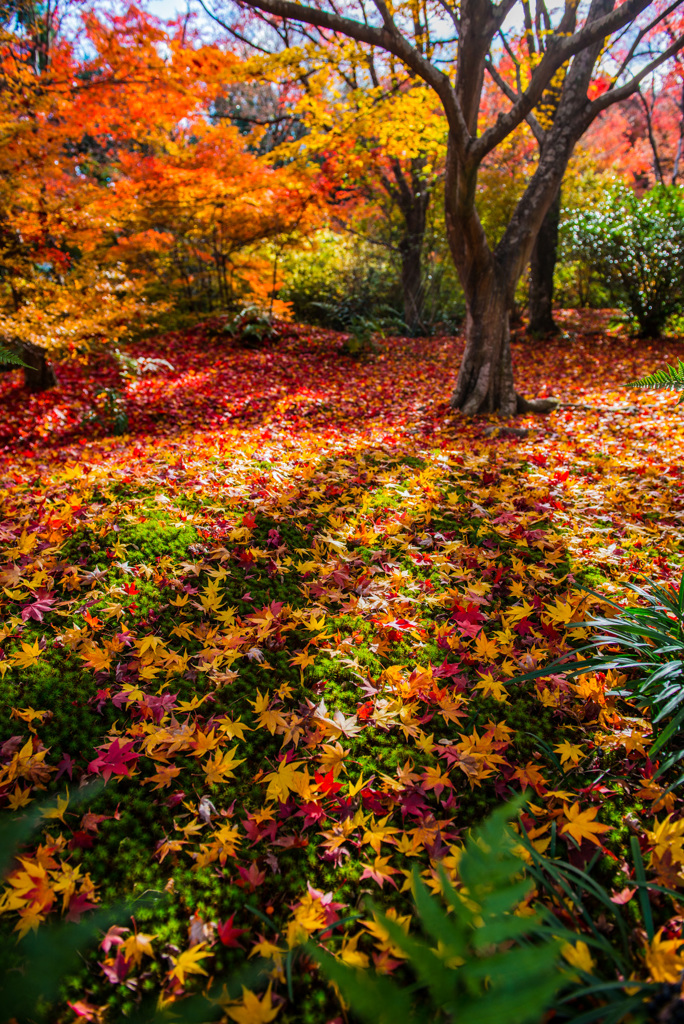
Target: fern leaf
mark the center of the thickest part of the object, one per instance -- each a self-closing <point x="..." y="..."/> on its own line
<point x="9" y="358"/>
<point x="669" y="379"/>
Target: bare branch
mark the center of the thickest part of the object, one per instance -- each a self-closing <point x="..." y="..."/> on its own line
<point x="611" y="96"/>
<point x="233" y="32"/>
<point x="452" y="14"/>
<point x="512" y="95"/>
<point x="560" y="49"/>
<point x="649" y="28"/>
<point x="498" y="79"/>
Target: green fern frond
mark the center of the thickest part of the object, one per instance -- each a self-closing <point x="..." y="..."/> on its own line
<point x="10" y="358"/>
<point x="669" y="379"/>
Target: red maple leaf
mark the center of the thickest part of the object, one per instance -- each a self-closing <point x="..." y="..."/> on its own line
<point x="327" y="784"/>
<point x="114" y="759"/>
<point x="77" y="906"/>
<point x="251" y="878"/>
<point x="36" y="609"/>
<point x="229" y="934"/>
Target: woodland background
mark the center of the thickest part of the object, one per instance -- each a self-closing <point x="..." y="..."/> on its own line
<point x="280" y="629"/>
<point x="157" y="173"/>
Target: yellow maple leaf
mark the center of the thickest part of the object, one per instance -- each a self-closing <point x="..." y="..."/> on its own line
<point x="252" y="1010"/>
<point x="303" y="659"/>
<point x="220" y="767"/>
<point x="29" y="919"/>
<point x="136" y="945"/>
<point x="164" y="777"/>
<point x="148" y="643"/>
<point x="561" y="611"/>
<point x="581" y="824"/>
<point x="233" y="729"/>
<point x="191" y="705"/>
<point x="261" y="702"/>
<point x="95" y="658"/>
<point x="210" y="597"/>
<point x="667" y="837"/>
<point x="492" y="687"/>
<point x="188" y="962"/>
<point x="19" y="798"/>
<point x="664" y="958"/>
<point x="349" y="954"/>
<point x="569" y="752"/>
<point x="578" y="955"/>
<point x="28" y="655"/>
<point x="286" y="780"/>
<point x="485" y="648"/>
<point x="58" y="811"/>
<point x="204" y="742"/>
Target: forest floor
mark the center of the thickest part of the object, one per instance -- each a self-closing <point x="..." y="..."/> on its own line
<point x="281" y="617"/>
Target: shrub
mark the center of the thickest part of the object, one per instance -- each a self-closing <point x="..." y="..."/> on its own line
<point x="637" y="245"/>
<point x="340" y="278"/>
<point x="250" y="327"/>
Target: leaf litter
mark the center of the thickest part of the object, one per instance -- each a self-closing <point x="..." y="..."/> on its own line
<point x="282" y="618"/>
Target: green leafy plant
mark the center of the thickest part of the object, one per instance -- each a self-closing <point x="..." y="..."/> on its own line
<point x="131" y="366"/>
<point x="251" y="327"/>
<point x="573" y="895"/>
<point x="110" y="411"/>
<point x="476" y="959"/>
<point x="9" y="358"/>
<point x="637" y="245"/>
<point x="645" y="644"/>
<point x="669" y="379"/>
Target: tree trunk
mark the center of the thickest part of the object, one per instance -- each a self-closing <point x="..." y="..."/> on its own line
<point x="542" y="266"/>
<point x="412" y="282"/>
<point x="39" y="374"/>
<point x="485" y="378"/>
<point x="489" y="278"/>
<point x="407" y="186"/>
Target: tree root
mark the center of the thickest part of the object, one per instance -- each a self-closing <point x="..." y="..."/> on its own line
<point x="538" y="405"/>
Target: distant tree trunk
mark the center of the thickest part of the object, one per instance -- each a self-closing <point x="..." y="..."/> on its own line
<point x="39" y="374"/>
<point x="411" y="247"/>
<point x="542" y="266"/>
<point x="411" y="192"/>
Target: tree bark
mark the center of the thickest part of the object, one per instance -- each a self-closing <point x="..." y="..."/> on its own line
<point x="542" y="265"/>
<point x="410" y="191"/>
<point x="485" y="379"/>
<point x="413" y="291"/>
<point x="39" y="375"/>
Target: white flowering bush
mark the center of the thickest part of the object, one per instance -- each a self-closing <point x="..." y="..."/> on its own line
<point x="636" y="244"/>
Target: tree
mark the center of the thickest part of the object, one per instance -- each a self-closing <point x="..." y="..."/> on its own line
<point x="462" y="50"/>
<point x="197" y="211"/>
<point x="389" y="148"/>
<point x="373" y="126"/>
<point x="57" y="293"/>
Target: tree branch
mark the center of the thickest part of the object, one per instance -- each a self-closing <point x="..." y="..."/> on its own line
<point x="560" y="49"/>
<point x="382" y="37"/>
<point x="629" y="88"/>
<point x="632" y="50"/>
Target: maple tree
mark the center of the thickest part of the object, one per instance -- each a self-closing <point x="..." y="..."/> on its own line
<point x="571" y="49"/>
<point x="101" y="202"/>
